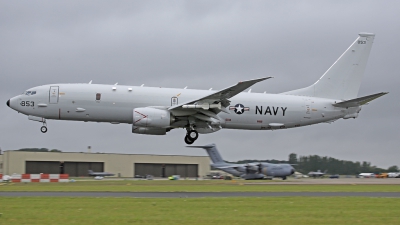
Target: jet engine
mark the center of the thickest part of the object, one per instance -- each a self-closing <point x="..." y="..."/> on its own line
<point x="151" y="121"/>
<point x="151" y="117"/>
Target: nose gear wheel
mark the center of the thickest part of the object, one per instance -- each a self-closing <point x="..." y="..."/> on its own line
<point x="43" y="129"/>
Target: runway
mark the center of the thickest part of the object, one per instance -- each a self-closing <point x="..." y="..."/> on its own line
<point x="199" y="194"/>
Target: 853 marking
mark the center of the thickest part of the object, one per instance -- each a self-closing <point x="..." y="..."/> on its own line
<point x="27" y="103"/>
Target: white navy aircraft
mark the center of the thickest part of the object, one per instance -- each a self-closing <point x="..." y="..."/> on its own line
<point x="155" y="111"/>
<point x="248" y="171"/>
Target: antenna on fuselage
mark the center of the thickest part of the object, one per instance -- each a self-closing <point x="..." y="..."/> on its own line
<point x="90" y="82"/>
<point x="185" y="87"/>
<point x="249" y="91"/>
<point x="142" y="85"/>
<point x="116" y="83"/>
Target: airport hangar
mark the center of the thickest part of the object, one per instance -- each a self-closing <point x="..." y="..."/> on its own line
<point x="122" y="165"/>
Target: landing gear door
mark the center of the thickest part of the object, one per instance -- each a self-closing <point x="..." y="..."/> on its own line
<point x="53" y="95"/>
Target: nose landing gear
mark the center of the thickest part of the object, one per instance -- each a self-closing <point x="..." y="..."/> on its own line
<point x="191" y="136"/>
<point x="43" y="129"/>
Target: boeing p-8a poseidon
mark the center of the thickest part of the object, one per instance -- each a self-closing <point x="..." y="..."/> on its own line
<point x="155" y="111"/>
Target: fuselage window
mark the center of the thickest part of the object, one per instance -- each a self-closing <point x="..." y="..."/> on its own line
<point x="28" y="93"/>
<point x="33" y="92"/>
<point x="98" y="97"/>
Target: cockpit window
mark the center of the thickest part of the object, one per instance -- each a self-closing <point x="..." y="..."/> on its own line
<point x="30" y="93"/>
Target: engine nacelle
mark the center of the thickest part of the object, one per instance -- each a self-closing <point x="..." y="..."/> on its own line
<point x="151" y="117"/>
<point x="265" y="171"/>
<point x="241" y="169"/>
<point x="149" y="130"/>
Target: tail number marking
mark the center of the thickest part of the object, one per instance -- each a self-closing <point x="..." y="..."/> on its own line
<point x="27" y="103"/>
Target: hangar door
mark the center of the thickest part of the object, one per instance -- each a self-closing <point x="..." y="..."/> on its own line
<point x="78" y="169"/>
<point x="47" y="167"/>
<point x="166" y="170"/>
<point x="74" y="169"/>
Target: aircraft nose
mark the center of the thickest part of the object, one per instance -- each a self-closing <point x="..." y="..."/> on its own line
<point x="291" y="171"/>
<point x="8" y="103"/>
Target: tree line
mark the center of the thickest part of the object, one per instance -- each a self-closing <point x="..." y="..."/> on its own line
<point x="38" y="150"/>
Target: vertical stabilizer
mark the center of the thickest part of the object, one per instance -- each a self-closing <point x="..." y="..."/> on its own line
<point x="212" y="152"/>
<point x="343" y="79"/>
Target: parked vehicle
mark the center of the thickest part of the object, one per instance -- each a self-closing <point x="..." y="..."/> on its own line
<point x="382" y="175"/>
<point x="366" y="175"/>
<point x="393" y="175"/>
<point x="334" y="176"/>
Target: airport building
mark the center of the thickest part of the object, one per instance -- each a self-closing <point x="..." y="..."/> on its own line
<point x="122" y="165"/>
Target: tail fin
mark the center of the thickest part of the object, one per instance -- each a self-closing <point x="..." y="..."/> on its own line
<point x="212" y="152"/>
<point x="343" y="79"/>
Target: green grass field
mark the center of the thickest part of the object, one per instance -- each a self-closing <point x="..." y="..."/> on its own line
<point x="274" y="210"/>
<point x="192" y="186"/>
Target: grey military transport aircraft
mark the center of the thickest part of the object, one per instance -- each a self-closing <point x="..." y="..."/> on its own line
<point x="156" y="111"/>
<point x="248" y="171"/>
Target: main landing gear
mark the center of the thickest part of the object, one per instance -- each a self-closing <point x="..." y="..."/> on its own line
<point x="191" y="136"/>
<point x="43" y="129"/>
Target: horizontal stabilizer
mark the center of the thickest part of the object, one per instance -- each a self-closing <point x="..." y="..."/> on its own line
<point x="359" y="101"/>
<point x="204" y="146"/>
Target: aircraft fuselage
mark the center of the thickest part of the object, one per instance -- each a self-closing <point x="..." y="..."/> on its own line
<point x="115" y="104"/>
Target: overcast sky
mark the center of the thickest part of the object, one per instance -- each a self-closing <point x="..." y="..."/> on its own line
<point x="202" y="45"/>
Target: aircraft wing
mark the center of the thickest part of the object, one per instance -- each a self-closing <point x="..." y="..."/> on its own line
<point x="250" y="167"/>
<point x="221" y="96"/>
<point x="230" y="166"/>
<point x="205" y="109"/>
<point x="359" y="101"/>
